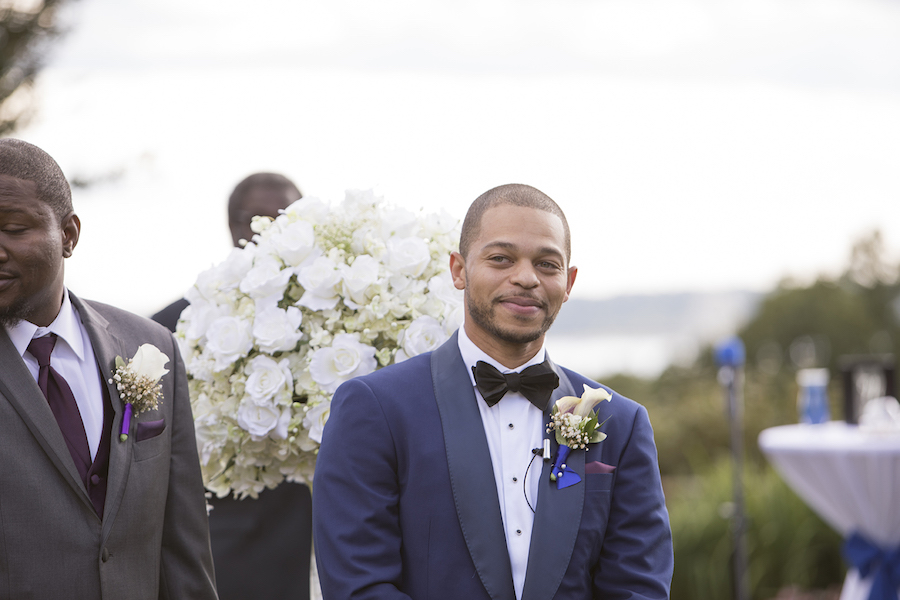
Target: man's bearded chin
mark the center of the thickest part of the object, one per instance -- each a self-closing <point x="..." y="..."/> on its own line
<point x="12" y="314"/>
<point x="484" y="318"/>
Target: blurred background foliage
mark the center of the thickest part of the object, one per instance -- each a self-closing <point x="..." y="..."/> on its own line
<point x="26" y="29"/>
<point x="796" y="326"/>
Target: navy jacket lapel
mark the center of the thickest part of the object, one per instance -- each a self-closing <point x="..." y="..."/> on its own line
<point x="471" y="471"/>
<point x="557" y="518"/>
<point x="21" y="390"/>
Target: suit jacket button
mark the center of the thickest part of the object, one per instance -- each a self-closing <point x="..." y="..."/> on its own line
<point x="95" y="479"/>
<point x="104" y="556"/>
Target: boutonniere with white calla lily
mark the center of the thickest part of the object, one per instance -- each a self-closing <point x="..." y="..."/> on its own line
<point x="576" y="425"/>
<point x="138" y="383"/>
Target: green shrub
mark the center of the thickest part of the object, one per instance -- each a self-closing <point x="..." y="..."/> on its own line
<point x="787" y="544"/>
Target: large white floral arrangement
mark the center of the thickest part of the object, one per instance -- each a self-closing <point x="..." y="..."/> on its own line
<point x="323" y="294"/>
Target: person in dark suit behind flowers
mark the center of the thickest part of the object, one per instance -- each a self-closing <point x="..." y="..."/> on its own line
<point x="261" y="546"/>
<point x="427" y="484"/>
<point x="100" y="490"/>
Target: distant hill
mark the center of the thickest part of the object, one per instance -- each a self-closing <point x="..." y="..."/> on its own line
<point x="702" y="316"/>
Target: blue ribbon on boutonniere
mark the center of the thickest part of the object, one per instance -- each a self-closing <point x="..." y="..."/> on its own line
<point x="868" y="559"/>
<point x="563" y="475"/>
<point x="576" y="425"/>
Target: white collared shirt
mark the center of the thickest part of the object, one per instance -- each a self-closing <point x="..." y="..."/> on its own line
<point x="73" y="357"/>
<point x="514" y="426"/>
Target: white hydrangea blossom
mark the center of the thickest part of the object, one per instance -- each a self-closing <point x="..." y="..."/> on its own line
<point x="324" y="293"/>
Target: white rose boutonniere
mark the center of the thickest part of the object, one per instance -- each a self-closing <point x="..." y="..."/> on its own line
<point x="575" y="423"/>
<point x="138" y="382"/>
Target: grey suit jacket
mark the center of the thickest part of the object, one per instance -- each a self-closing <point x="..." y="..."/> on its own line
<point x="153" y="538"/>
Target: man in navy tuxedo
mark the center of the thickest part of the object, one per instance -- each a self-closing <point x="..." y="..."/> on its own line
<point x="427" y="486"/>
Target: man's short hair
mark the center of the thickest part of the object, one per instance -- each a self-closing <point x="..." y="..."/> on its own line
<point x="27" y="162"/>
<point x="272" y="181"/>
<point x="517" y="194"/>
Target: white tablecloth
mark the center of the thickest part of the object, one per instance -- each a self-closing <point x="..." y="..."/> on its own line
<point x="849" y="477"/>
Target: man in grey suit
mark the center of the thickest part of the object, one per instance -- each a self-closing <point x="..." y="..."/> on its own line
<point x="83" y="512"/>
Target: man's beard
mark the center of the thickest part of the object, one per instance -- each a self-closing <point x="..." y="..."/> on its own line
<point x="483" y="316"/>
<point x="19" y="310"/>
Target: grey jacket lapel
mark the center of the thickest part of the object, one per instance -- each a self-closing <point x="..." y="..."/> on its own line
<point x="471" y="471"/>
<point x="557" y="518"/>
<point x="23" y="393"/>
<point x="106" y="348"/>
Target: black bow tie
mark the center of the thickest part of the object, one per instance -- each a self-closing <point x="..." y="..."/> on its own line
<point x="536" y="383"/>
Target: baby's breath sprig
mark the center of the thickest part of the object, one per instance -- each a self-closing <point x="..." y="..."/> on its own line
<point x="576" y="430"/>
<point x="138" y="383"/>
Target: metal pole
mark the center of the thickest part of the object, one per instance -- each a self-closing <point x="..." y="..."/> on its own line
<point x="730" y="356"/>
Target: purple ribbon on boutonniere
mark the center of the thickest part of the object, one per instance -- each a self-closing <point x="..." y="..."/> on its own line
<point x="126" y="422"/>
<point x="576" y="425"/>
<point x="137" y="382"/>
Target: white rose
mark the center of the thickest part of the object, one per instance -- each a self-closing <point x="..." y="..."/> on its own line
<point x="277" y="330"/>
<point x="228" y="339"/>
<point x="398" y="222"/>
<point x="366" y="240"/>
<point x="358" y="278"/>
<point x="319" y="281"/>
<point x="315" y="419"/>
<point x="233" y="268"/>
<point x="441" y="286"/>
<point x="260" y="421"/>
<point x="210" y="428"/>
<point x="308" y="209"/>
<point x="267" y="277"/>
<point x="294" y="242"/>
<point x="149" y="362"/>
<point x="345" y="359"/>
<point x="407" y="256"/>
<point x="438" y="224"/>
<point x="423" y="335"/>
<point x="358" y="202"/>
<point x="220" y="278"/>
<point x="198" y="316"/>
<point x="267" y="379"/>
<point x="453" y="320"/>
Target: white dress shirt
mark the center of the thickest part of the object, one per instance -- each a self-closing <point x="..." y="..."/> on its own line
<point x="73" y="358"/>
<point x="514" y="427"/>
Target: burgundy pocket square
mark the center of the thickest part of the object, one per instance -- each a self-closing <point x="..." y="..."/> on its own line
<point x="598" y="467"/>
<point x="149" y="429"/>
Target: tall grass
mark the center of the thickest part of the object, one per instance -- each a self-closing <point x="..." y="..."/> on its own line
<point x="787" y="544"/>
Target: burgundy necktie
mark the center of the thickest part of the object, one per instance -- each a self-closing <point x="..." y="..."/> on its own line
<point x="62" y="403"/>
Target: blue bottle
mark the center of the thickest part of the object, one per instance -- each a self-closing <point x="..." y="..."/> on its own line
<point x="812" y="399"/>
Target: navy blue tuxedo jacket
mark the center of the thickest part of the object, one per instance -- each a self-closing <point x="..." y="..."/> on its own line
<point x="406" y="505"/>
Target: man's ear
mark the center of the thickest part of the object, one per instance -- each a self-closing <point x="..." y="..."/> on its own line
<point x="570" y="280"/>
<point x="71" y="229"/>
<point x="458" y="270"/>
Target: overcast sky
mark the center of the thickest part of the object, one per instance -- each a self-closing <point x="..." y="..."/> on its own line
<point x="694" y="145"/>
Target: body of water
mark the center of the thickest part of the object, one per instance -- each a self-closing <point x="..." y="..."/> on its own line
<point x="643" y="355"/>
